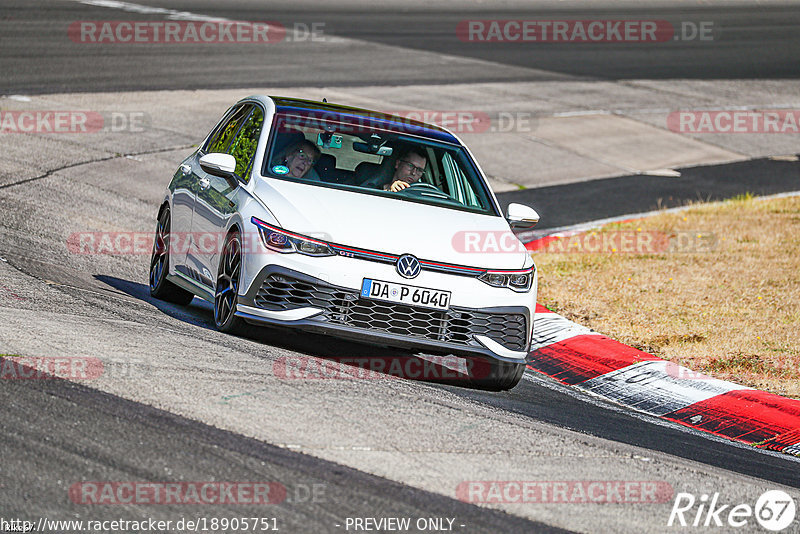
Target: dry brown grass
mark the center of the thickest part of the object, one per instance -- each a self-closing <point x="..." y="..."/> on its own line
<point x="732" y="312"/>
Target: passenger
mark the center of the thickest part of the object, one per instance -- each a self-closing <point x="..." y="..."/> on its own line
<point x="407" y="169"/>
<point x="300" y="159"/>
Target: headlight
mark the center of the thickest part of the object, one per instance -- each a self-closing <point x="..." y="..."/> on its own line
<point x="519" y="281"/>
<point x="288" y="242"/>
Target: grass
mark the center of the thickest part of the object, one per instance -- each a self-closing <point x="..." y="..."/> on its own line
<point x="719" y="292"/>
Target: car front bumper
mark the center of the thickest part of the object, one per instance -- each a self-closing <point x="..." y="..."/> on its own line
<point x="284" y="297"/>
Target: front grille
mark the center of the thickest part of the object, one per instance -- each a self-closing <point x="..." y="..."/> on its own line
<point x="393" y="318"/>
<point x="279" y="292"/>
<point x="345" y="307"/>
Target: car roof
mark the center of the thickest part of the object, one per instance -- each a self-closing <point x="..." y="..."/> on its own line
<point x="376" y="119"/>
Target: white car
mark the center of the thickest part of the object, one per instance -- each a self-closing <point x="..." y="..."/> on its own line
<point x="351" y="223"/>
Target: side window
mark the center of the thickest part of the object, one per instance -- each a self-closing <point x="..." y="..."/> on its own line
<point x="459" y="186"/>
<point x="244" y="145"/>
<point x="221" y="139"/>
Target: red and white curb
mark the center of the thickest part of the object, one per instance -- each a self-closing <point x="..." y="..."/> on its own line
<point x="588" y="360"/>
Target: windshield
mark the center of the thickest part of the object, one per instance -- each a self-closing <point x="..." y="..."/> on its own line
<point x="331" y="152"/>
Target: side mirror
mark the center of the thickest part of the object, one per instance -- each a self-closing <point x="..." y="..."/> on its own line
<point x="521" y="216"/>
<point x="218" y="164"/>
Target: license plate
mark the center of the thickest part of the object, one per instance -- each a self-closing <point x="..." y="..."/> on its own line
<point x="405" y="294"/>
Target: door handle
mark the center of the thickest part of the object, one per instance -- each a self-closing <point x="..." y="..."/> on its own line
<point x="205" y="183"/>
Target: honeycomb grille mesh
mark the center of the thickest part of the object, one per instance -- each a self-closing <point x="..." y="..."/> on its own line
<point x="345" y="307"/>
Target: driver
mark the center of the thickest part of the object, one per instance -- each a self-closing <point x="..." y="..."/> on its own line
<point x="407" y="169"/>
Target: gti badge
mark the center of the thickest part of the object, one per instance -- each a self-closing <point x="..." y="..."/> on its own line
<point x="408" y="266"/>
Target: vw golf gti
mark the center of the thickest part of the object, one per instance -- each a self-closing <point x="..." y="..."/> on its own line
<point x="351" y="223"/>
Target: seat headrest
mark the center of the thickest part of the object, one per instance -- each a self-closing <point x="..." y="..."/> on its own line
<point x="326" y="162"/>
<point x="366" y="170"/>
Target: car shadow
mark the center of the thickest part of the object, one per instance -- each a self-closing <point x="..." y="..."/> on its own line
<point x="343" y="359"/>
<point x="198" y="313"/>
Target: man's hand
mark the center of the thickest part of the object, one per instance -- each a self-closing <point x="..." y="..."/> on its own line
<point x="398" y="185"/>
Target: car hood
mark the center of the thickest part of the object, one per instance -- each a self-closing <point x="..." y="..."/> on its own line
<point x="393" y="226"/>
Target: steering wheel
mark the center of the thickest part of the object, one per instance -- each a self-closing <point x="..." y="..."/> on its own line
<point x="422" y="186"/>
<point x="424" y="189"/>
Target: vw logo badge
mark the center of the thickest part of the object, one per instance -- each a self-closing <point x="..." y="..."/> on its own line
<point x="408" y="266"/>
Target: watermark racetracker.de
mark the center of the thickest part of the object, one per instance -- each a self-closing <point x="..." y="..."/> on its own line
<point x="50" y="367"/>
<point x="74" y="368"/>
<point x="565" y="491"/>
<point x="169" y="493"/>
<point x="141" y="243"/>
<point x="139" y="32"/>
<point x="461" y="121"/>
<point x="593" y="31"/>
<point x="431" y="368"/>
<point x="775" y="121"/>
<point x="593" y="242"/>
<point x="73" y="122"/>
<point x="465" y="241"/>
<point x="196" y="492"/>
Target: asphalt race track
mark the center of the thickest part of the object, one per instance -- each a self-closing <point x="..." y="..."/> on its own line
<point x="180" y="402"/>
<point x="760" y="43"/>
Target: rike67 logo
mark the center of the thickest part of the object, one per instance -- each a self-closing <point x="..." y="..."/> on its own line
<point x="774" y="510"/>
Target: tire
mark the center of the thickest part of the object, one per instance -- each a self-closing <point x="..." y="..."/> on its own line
<point x="160" y="287"/>
<point x="497" y="375"/>
<point x="226" y="289"/>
